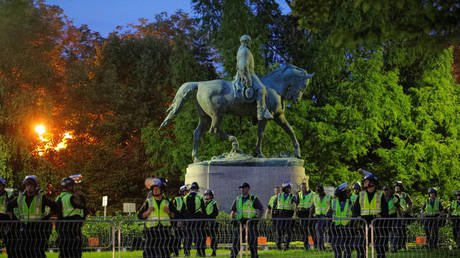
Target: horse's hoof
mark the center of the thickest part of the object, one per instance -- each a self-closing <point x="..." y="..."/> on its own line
<point x="196" y="160"/>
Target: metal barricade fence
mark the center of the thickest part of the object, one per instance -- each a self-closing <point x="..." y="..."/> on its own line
<point x="321" y="237"/>
<point x="68" y="237"/>
<point x="159" y="238"/>
<point x="414" y="237"/>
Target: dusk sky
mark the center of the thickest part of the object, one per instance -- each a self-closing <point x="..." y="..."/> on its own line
<point x="104" y="15"/>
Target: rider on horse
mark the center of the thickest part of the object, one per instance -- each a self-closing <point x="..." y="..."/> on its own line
<point x="248" y="78"/>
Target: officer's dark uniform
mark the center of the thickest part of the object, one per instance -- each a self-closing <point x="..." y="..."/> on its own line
<point x="157" y="228"/>
<point x="305" y="213"/>
<point x="455" y="218"/>
<point x="212" y="210"/>
<point x="179" y="229"/>
<point x="33" y="237"/>
<point x="195" y="229"/>
<point x="241" y="205"/>
<point x="432" y="211"/>
<point x="70" y="208"/>
<point x="284" y="205"/>
<point x="380" y="231"/>
<point x="405" y="203"/>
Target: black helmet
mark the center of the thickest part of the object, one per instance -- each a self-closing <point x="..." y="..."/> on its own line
<point x="31" y="180"/>
<point x="210" y="192"/>
<point x="286" y="184"/>
<point x="369" y="176"/>
<point x="386" y="188"/>
<point x="341" y="189"/>
<point x="400" y="184"/>
<point x="357" y="186"/>
<point x="183" y="188"/>
<point x="432" y="190"/>
<point x="195" y="186"/>
<point x="67" y="182"/>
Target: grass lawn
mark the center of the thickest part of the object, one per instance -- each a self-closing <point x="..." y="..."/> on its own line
<point x="275" y="253"/>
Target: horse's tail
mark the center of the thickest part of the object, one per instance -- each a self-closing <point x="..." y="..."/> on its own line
<point x="181" y="97"/>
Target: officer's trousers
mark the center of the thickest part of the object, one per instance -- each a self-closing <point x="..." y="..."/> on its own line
<point x="179" y="237"/>
<point x="211" y="232"/>
<point x="157" y="242"/>
<point x="11" y="238"/>
<point x="307" y="228"/>
<point x="320" y="229"/>
<point x="456" y="229"/>
<point x="341" y="241"/>
<point x="431" y="226"/>
<point x="195" y="232"/>
<point x="283" y="232"/>
<point x="69" y="239"/>
<point x="33" y="239"/>
<point x="252" y="238"/>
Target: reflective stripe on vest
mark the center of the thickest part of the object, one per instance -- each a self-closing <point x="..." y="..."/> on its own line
<point x="67" y="208"/>
<point x="391" y="206"/>
<point x="371" y="207"/>
<point x="197" y="200"/>
<point x="272" y="201"/>
<point x="455" y="208"/>
<point x="321" y="206"/>
<point x="353" y="198"/>
<point x="158" y="215"/>
<point x="402" y="201"/>
<point x="284" y="204"/>
<point x="432" y="210"/>
<point x="245" y="210"/>
<point x="32" y="213"/>
<point x="307" y="200"/>
<point x="179" y="203"/>
<point x="338" y="213"/>
<point x="210" y="207"/>
<point x="3" y="202"/>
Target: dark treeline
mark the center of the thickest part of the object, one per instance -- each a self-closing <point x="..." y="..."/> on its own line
<point x="383" y="97"/>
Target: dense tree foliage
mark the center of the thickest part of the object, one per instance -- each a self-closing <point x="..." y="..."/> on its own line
<point x="383" y="98"/>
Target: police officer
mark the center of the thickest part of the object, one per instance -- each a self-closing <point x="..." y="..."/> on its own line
<point x="405" y="205"/>
<point x="392" y="224"/>
<point x="158" y="211"/>
<point x="432" y="210"/>
<point x="340" y="230"/>
<point x="455" y="217"/>
<point x="194" y="204"/>
<point x="179" y="231"/>
<point x="30" y="206"/>
<point x="8" y="232"/>
<point x="70" y="206"/>
<point x="270" y="209"/>
<point x="212" y="210"/>
<point x="304" y="211"/>
<point x="285" y="205"/>
<point x="371" y="204"/>
<point x="356" y="190"/>
<point x="245" y="207"/>
<point x="322" y="210"/>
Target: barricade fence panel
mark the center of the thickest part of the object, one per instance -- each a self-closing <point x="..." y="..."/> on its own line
<point x="414" y="237"/>
<point x="68" y="237"/>
<point x="320" y="237"/>
<point x="178" y="237"/>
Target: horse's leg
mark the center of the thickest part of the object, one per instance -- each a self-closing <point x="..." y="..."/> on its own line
<point x="260" y="136"/>
<point x="281" y="121"/>
<point x="215" y="130"/>
<point x="203" y="123"/>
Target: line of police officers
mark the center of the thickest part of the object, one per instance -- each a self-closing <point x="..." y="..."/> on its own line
<point x="27" y="219"/>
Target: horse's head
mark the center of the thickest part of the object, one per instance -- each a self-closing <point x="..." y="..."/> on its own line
<point x="296" y="81"/>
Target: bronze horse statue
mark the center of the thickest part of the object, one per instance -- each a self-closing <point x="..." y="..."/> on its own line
<point x="218" y="97"/>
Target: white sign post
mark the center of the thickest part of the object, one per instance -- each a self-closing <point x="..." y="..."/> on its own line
<point x="105" y="200"/>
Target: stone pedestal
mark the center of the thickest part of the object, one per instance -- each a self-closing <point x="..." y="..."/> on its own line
<point x="224" y="177"/>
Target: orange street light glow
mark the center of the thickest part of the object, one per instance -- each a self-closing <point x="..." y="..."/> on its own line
<point x="40" y="129"/>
